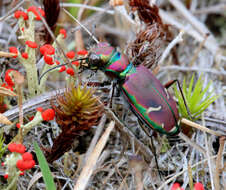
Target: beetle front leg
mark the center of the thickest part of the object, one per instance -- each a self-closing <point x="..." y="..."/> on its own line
<point x="170" y="83"/>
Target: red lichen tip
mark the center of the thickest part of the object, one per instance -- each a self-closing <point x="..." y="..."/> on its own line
<point x="48" y="60"/>
<point x="24" y="55"/>
<point x="40" y="109"/>
<point x="8" y="77"/>
<point x="31" y="118"/>
<point x="18" y="125"/>
<point x="57" y="62"/>
<point x="25" y="164"/>
<point x="70" y="71"/>
<point x="27" y="156"/>
<point x="48" y="115"/>
<point x="176" y="186"/>
<point x="7" y="86"/>
<point x="63" y="32"/>
<point x="2" y="164"/>
<point x="70" y="54"/>
<point x="47" y="49"/>
<point x="6" y="176"/>
<point x="13" y="50"/>
<point x="36" y="11"/>
<point x="62" y="69"/>
<point x="18" y="14"/>
<point x="82" y="52"/>
<point x="13" y="147"/>
<point x="21" y="173"/>
<point x="199" y="186"/>
<point x="31" y="44"/>
<point x="76" y="63"/>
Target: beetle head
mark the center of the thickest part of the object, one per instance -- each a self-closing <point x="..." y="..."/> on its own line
<point x="100" y="56"/>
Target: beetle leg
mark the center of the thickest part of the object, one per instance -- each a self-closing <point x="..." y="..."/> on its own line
<point x="153" y="149"/>
<point x="113" y="84"/>
<point x="170" y="83"/>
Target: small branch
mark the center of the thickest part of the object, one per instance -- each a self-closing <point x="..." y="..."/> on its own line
<point x="125" y="131"/>
<point x="197" y="69"/>
<point x="220" y="8"/>
<point x="199" y="26"/>
<point x="12" y="10"/>
<point x="111" y="12"/>
<point x="200" y="127"/>
<point x="208" y="155"/>
<point x="218" y="161"/>
<point x="6" y="54"/>
<point x="192" y="143"/>
<point x="210" y="43"/>
<point x="76" y="20"/>
<point x="176" y="40"/>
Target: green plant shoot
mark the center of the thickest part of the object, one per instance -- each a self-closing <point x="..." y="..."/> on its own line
<point x="197" y="97"/>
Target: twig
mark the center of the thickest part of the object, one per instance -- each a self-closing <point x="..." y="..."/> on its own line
<point x="208" y="154"/>
<point x="193" y="144"/>
<point x="199" y="26"/>
<point x="220" y="8"/>
<point x="200" y="127"/>
<point x="6" y="54"/>
<point x="91" y="162"/>
<point x="12" y="10"/>
<point x="190" y="177"/>
<point x="111" y="12"/>
<point x="198" y="51"/>
<point x="210" y="44"/>
<point x="218" y="162"/>
<point x="183" y="68"/>
<point x="176" y="40"/>
<point x="125" y="131"/>
<point x="69" y="14"/>
<point x="95" y="138"/>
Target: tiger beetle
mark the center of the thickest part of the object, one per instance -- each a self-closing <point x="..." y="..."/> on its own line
<point x="146" y="96"/>
<point x="148" y="99"/>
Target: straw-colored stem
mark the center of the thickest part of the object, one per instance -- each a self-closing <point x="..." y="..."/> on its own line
<point x="6" y="54"/>
<point x="200" y="127"/>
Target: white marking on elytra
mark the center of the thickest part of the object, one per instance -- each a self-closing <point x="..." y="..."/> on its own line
<point x="150" y="109"/>
<point x="174" y="127"/>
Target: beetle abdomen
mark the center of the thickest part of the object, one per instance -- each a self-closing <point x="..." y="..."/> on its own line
<point x="151" y="101"/>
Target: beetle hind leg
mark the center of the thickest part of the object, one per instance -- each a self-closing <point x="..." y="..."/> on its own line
<point x="170" y="83"/>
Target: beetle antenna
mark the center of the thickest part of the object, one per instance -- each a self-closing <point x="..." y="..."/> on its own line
<point x="43" y="74"/>
<point x="76" y="20"/>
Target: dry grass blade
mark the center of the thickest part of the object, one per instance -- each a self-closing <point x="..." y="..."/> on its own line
<point x="4" y="120"/>
<point x="192" y="143"/>
<point x="6" y="92"/>
<point x="34" y="179"/>
<point x="91" y="162"/>
<point x="218" y="162"/>
<point x="6" y="54"/>
<point x="200" y="127"/>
